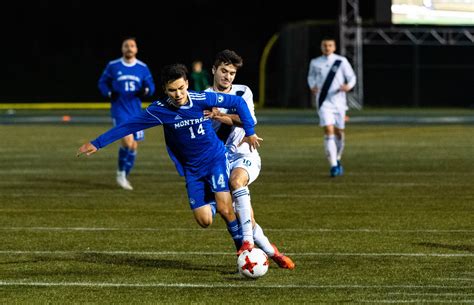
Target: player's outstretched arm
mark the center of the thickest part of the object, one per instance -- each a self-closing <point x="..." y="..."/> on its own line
<point x="87" y="149"/>
<point x="252" y="141"/>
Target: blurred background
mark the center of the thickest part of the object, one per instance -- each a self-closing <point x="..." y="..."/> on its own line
<point x="406" y="53"/>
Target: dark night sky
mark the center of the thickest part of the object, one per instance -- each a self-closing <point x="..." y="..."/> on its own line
<point x="57" y="49"/>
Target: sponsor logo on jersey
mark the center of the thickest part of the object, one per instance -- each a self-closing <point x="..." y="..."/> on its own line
<point x="178" y="117"/>
<point x="189" y="122"/>
<point x="129" y="77"/>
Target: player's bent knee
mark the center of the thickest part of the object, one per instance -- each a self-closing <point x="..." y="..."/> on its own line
<point x="239" y="178"/>
<point x="237" y="183"/>
<point x="203" y="216"/>
<point x="204" y="220"/>
<point x="227" y="213"/>
<point x="204" y="223"/>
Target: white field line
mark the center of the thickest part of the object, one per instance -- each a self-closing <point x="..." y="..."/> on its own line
<point x="433" y="293"/>
<point x="457" y="279"/>
<point x="101" y="229"/>
<point x="90" y="211"/>
<point x="417" y="301"/>
<point x="362" y="196"/>
<point x="187" y="253"/>
<point x="221" y="285"/>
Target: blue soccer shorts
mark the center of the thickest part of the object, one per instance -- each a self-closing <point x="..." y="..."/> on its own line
<point x="202" y="186"/>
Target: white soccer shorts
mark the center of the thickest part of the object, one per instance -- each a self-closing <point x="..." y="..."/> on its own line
<point x="252" y="164"/>
<point x="332" y="116"/>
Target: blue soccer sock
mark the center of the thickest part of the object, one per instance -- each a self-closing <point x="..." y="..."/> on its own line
<point x="122" y="158"/>
<point x="213" y="208"/>
<point x="235" y="231"/>
<point x="130" y="161"/>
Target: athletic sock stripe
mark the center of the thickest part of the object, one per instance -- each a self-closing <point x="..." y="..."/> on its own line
<point x="240" y="193"/>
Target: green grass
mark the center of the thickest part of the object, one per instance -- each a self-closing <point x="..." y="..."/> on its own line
<point x="397" y="227"/>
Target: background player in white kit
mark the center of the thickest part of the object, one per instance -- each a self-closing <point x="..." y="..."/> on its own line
<point x="330" y="76"/>
<point x="245" y="162"/>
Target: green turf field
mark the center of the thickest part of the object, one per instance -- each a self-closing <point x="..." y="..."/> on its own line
<point x="398" y="227"/>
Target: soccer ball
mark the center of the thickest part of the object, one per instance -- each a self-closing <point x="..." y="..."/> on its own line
<point x="253" y="263"/>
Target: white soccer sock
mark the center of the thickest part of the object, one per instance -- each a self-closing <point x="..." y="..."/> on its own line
<point x="330" y="149"/>
<point x="262" y="241"/>
<point x="243" y="209"/>
<point x="340" y="145"/>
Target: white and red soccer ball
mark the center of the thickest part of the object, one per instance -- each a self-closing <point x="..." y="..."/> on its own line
<point x="253" y="263"/>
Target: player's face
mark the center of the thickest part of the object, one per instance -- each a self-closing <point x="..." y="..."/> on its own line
<point x="328" y="47"/>
<point x="178" y="91"/>
<point x="129" y="49"/>
<point x="224" y="76"/>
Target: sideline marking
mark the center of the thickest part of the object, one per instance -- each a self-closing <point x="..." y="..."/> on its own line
<point x="199" y="229"/>
<point x="164" y="253"/>
<point x="219" y="285"/>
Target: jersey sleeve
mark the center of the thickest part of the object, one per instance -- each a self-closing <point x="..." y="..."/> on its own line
<point x="148" y="82"/>
<point x="144" y="120"/>
<point x="222" y="100"/>
<point x="248" y="97"/>
<point x="105" y="81"/>
<point x="312" y="74"/>
<point x="348" y="72"/>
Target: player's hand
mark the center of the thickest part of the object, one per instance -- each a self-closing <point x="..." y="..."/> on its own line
<point x="315" y="90"/>
<point x="345" y="88"/>
<point x="87" y="149"/>
<point x="211" y="114"/>
<point x="252" y="141"/>
<point x="143" y="92"/>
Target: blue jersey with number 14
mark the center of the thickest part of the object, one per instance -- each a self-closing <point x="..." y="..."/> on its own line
<point x="190" y="138"/>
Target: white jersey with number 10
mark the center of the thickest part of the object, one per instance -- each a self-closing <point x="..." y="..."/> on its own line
<point x="233" y="135"/>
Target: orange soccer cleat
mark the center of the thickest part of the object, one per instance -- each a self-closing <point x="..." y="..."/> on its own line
<point x="282" y="261"/>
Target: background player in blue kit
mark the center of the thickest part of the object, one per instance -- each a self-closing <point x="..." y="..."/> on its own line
<point x="199" y="155"/>
<point x="126" y="81"/>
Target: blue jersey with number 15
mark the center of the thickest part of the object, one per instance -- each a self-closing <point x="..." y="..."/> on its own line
<point x="190" y="138"/>
<point x="126" y="80"/>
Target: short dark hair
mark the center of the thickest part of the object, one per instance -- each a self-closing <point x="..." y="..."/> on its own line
<point x="228" y="57"/>
<point x="173" y="72"/>
<point x="328" y="38"/>
<point x="129" y="38"/>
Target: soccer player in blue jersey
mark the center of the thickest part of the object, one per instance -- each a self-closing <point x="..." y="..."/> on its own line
<point x="126" y="81"/>
<point x="199" y="155"/>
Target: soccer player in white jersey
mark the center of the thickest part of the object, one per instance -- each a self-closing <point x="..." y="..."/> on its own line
<point x="330" y="76"/>
<point x="244" y="162"/>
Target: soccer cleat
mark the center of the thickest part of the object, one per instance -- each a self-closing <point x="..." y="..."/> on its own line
<point x="335" y="171"/>
<point x="123" y="182"/>
<point x="282" y="261"/>
<point x="341" y="169"/>
<point x="246" y="245"/>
